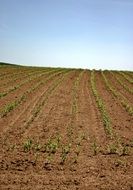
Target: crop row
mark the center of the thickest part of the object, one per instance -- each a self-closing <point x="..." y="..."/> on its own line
<point x="74" y="143"/>
<point x="57" y="144"/>
<point x="13" y="74"/>
<point x="45" y="96"/>
<point x="122" y="83"/>
<point x="130" y="74"/>
<point x="15" y="103"/>
<point x="56" y="148"/>
<point x="21" y="77"/>
<point x="74" y="94"/>
<point x="126" y="77"/>
<point x="114" y="145"/>
<point x="2" y="94"/>
<point x="50" y="148"/>
<point x="24" y="82"/>
<point x="101" y="106"/>
<point x="119" y="96"/>
<point x="13" y="71"/>
<point x="34" y="110"/>
<point x="53" y="144"/>
<point x="6" y="73"/>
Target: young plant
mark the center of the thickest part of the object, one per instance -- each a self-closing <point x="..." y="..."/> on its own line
<point x="112" y="148"/>
<point x="37" y="147"/>
<point x="9" y="107"/>
<point x="77" y="152"/>
<point x="65" y="152"/>
<point x="125" y="150"/>
<point x="27" y="145"/>
<point x="95" y="148"/>
<point x="52" y="145"/>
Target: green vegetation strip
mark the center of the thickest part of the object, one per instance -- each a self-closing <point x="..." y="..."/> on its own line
<point x="25" y="76"/>
<point x="14" y="73"/>
<point x="53" y="144"/>
<point x="74" y="106"/>
<point x="130" y="90"/>
<point x="101" y="106"/>
<point x="123" y="100"/>
<point x="11" y="106"/>
<point x="46" y="95"/>
<point x="8" y="108"/>
<point x="74" y="94"/>
<point x="126" y="77"/>
<point x="3" y="94"/>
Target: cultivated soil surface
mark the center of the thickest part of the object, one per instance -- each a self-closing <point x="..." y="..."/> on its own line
<point x="65" y="129"/>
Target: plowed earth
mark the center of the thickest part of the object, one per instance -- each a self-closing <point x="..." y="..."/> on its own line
<point x="55" y="138"/>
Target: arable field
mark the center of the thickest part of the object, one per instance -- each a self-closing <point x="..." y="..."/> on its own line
<point x="65" y="129"/>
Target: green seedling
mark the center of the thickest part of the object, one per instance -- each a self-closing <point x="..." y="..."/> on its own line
<point x="8" y="108"/>
<point x="78" y="149"/>
<point x="125" y="150"/>
<point x="52" y="145"/>
<point x="81" y="137"/>
<point x="27" y="145"/>
<point x="65" y="152"/>
<point x="11" y="106"/>
<point x="112" y="148"/>
<point x="37" y="147"/>
<point x="2" y="94"/>
<point x="95" y="148"/>
<point x="77" y="152"/>
<point x="58" y="139"/>
<point x="49" y="159"/>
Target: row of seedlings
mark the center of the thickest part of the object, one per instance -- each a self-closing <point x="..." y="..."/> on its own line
<point x="126" y="77"/>
<point x="73" y="145"/>
<point x="130" y="90"/>
<point x="101" y="106"/>
<point x="115" y="146"/>
<point x="123" y="100"/>
<point x="53" y="143"/>
<point x="20" y="78"/>
<point x="15" y="74"/>
<point x="45" y="95"/>
<point x="34" y="77"/>
<point x="11" y="106"/>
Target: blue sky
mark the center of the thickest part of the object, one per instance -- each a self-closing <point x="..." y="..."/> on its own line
<point x="67" y="33"/>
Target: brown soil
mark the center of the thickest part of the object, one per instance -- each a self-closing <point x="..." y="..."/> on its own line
<point x="122" y="122"/>
<point x="18" y="92"/>
<point x="64" y="113"/>
<point x="125" y="81"/>
<point x="130" y="75"/>
<point x="17" y="78"/>
<point x="120" y="88"/>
